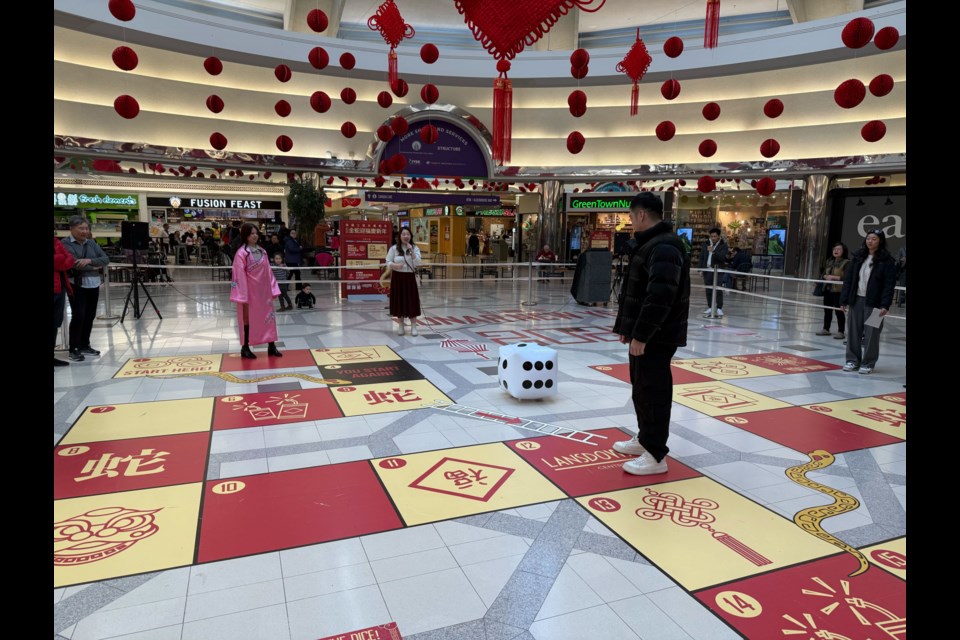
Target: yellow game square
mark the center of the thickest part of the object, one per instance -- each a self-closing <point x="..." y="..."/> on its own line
<point x="350" y="355"/>
<point x="120" y="534"/>
<point x="384" y="397"/>
<point x="141" y="419"/>
<point x="170" y="366"/>
<point x="438" y="485"/>
<point x="890" y="556"/>
<point x="701" y="533"/>
<point x="880" y="415"/>
<point x="723" y="368"/>
<point x="721" y="399"/>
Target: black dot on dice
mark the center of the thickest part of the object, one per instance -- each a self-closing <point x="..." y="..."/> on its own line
<point x="522" y="344"/>
<point x="527" y="384"/>
<point x="527" y="365"/>
<point x="538" y="366"/>
<point x="548" y="383"/>
<point x="504" y="364"/>
<point x="538" y="384"/>
<point x="505" y="384"/>
<point x="549" y="365"/>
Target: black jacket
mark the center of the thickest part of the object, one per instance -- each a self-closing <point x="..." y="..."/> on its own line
<point x="883" y="278"/>
<point x="719" y="254"/>
<point x="655" y="300"/>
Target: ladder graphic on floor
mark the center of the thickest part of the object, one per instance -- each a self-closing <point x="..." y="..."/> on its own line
<point x="544" y="428"/>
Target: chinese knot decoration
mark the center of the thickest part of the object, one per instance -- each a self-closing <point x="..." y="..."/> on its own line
<point x="388" y="21"/>
<point x="635" y="65"/>
<point x="711" y="28"/>
<point x="504" y="28"/>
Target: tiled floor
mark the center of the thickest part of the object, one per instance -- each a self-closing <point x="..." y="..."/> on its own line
<point x="544" y="568"/>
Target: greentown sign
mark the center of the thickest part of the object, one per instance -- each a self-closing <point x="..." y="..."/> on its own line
<point x="576" y="202"/>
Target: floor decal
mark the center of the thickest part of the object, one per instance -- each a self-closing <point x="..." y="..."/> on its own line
<point x="621" y="371"/>
<point x="384" y="397"/>
<point x="786" y="363"/>
<point x="466" y="346"/>
<point x="723" y="368"/>
<point x="140" y="419"/>
<point x="351" y="355"/>
<point x="720" y="399"/>
<point x="368" y="373"/>
<point x="890" y="556"/>
<point x="169" y="365"/>
<point x="291" y="358"/>
<point x="873" y="413"/>
<point x="280" y="407"/>
<point x="592" y="438"/>
<point x="388" y="631"/>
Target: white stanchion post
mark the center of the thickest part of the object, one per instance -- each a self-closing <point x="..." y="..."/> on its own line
<point x="713" y="296"/>
<point x="529" y="302"/>
<point x="107" y="310"/>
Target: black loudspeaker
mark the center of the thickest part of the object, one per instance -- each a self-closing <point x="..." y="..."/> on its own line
<point x="135" y="235"/>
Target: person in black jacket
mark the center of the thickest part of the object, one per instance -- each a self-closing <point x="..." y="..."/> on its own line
<point x="868" y="286"/>
<point x="652" y="318"/>
<point x="713" y="254"/>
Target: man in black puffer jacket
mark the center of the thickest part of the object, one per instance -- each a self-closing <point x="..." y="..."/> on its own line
<point x="654" y="305"/>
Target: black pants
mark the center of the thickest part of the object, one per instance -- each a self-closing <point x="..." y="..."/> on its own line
<point x="832" y="299"/>
<point x="708" y="280"/>
<point x="652" y="383"/>
<point x="58" y="302"/>
<point x="294" y="274"/>
<point x="83" y="306"/>
<point x="285" y="297"/>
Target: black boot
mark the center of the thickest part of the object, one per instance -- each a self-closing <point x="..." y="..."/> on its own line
<point x="245" y="350"/>
<point x="273" y="351"/>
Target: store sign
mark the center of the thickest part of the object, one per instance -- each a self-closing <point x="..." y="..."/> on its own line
<point x="213" y="203"/>
<point x="436" y="211"/>
<point x="506" y="212"/>
<point x="875" y="213"/>
<point x="86" y="200"/>
<point x="431" y="198"/>
<point x="577" y="202"/>
<point x="455" y="152"/>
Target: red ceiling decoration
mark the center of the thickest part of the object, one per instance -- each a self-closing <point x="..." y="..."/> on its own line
<point x="579" y="58"/>
<point x="284" y="143"/>
<point x="215" y="103"/>
<point x="385" y="133"/>
<point x="429" y="93"/>
<point x="706" y="184"/>
<point x="399" y="125"/>
<point x="635" y="65"/>
<point x="666" y="130"/>
<point x="849" y="93"/>
<point x="873" y="131"/>
<point x="282" y="108"/>
<point x="126" y="106"/>
<point x="886" y="38"/>
<point x="766" y="186"/>
<point x="122" y="10"/>
<point x="348" y="95"/>
<point x="213" y="65"/>
<point x="429" y="134"/>
<point x="319" y="58"/>
<point x="388" y="21"/>
<point x="707" y="148"/>
<point x="575" y="142"/>
<point x="711" y="27"/>
<point x="580" y="72"/>
<point x="347" y="61"/>
<point x="218" y="141"/>
<point x="384" y="99"/>
<point x="317" y="20"/>
<point x="711" y="111"/>
<point x="348" y="129"/>
<point x="429" y="53"/>
<point x="673" y="47"/>
<point x="857" y="33"/>
<point x="125" y="58"/>
<point x="769" y="148"/>
<point x="400" y="88"/>
<point x="881" y="85"/>
<point x="283" y="73"/>
<point x="577" y="101"/>
<point x="773" y="108"/>
<point x="320" y="102"/>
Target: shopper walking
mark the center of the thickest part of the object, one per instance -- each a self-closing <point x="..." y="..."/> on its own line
<point x="652" y="319"/>
<point x="713" y="254"/>
<point x="62" y="263"/>
<point x="85" y="292"/>
<point x="835" y="268"/>
<point x="253" y="289"/>
<point x="867" y="288"/>
<point x="293" y="256"/>
<point x="403" y="259"/>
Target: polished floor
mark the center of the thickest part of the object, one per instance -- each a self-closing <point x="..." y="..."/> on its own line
<point x="318" y="495"/>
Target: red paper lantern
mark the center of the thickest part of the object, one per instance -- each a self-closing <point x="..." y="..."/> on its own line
<point x="284" y="143"/>
<point x="400" y="88"/>
<point x="348" y="95"/>
<point x="850" y="93"/>
<point x="348" y="129"/>
<point x="126" y="106"/>
<point x="388" y="21"/>
<point x="769" y="148"/>
<point x="429" y="93"/>
<point x="673" y="47"/>
<point x="766" y="186"/>
<point x="385" y="133"/>
<point x="125" y="58"/>
<point x="635" y="65"/>
<point x="317" y="20"/>
<point x="707" y="148"/>
<point x="213" y="65"/>
<point x="429" y="53"/>
<point x="267" y="174"/>
<point x="711" y="111"/>
<point x="215" y="103"/>
<point x="378" y="181"/>
<point x="282" y="108"/>
<point x="666" y="130"/>
<point x="881" y="85"/>
<point x="579" y="59"/>
<point x="107" y="166"/>
<point x="575" y="142"/>
<point x="382" y="167"/>
<point x="283" y="73"/>
<point x="319" y="58"/>
<point x="429" y="134"/>
<point x="320" y="102"/>
<point x="397" y="163"/>
<point x="347" y="61"/>
<point x="384" y="99"/>
<point x="218" y="141"/>
<point x="122" y="10"/>
<point x="577" y="101"/>
<point x="873" y="131"/>
<point x="399" y="125"/>
<point x="670" y="89"/>
<point x="857" y="33"/>
<point x="886" y="38"/>
<point x="773" y="108"/>
<point x="706" y="184"/>
<point x="580" y="73"/>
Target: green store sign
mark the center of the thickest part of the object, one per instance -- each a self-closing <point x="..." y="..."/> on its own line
<point x="95" y="200"/>
<point x="598" y="202"/>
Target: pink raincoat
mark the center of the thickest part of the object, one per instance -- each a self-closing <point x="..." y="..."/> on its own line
<point x="254" y="287"/>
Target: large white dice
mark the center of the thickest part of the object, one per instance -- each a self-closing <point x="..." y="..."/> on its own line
<point x="527" y="370"/>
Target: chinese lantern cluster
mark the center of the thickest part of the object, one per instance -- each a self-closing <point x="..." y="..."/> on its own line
<point x="857" y="34"/>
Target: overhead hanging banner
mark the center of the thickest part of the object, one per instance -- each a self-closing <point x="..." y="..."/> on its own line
<point x="454" y="154"/>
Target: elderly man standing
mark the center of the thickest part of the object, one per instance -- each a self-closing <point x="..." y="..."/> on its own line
<point x="89" y="259"/>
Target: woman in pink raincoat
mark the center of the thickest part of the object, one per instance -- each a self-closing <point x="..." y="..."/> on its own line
<point x="253" y="289"/>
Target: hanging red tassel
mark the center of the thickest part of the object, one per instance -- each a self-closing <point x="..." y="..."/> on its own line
<point x="502" y="113"/>
<point x="711" y="29"/>
<point x="392" y="74"/>
<point x="388" y="21"/>
<point x="634" y="99"/>
<point x="635" y="65"/>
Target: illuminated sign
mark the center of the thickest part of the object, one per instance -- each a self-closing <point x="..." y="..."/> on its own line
<point x="578" y="202"/>
<point x="83" y="200"/>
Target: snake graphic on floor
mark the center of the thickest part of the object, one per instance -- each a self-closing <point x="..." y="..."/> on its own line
<point x="809" y="519"/>
<point x="229" y="377"/>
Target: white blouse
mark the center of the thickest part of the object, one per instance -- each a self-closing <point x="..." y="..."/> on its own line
<point x="404" y="263"/>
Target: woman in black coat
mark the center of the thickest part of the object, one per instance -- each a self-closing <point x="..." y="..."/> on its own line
<point x="867" y="287"/>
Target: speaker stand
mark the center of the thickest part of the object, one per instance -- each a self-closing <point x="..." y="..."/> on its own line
<point x="136" y="283"/>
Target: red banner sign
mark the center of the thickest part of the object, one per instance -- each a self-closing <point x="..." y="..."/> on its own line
<point x="365" y="240"/>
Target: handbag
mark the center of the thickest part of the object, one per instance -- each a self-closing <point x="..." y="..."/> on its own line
<point x="818" y="290"/>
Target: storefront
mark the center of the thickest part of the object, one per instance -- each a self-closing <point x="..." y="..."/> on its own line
<point x="587" y="213"/>
<point x="196" y="214"/>
<point x="105" y="211"/>
<point x="495" y="227"/>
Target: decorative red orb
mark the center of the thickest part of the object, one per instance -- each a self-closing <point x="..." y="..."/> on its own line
<point x="400" y="88"/>
<point x="397" y="163"/>
<point x="769" y="148"/>
<point x="666" y="130"/>
<point x="579" y="59"/>
<point x="429" y="93"/>
<point x="218" y="141"/>
<point x="126" y="106"/>
<point x="213" y="65"/>
<point x="282" y="108"/>
<point x="575" y="142"/>
<point x="707" y="148"/>
<point x="215" y="103"/>
<point x="850" y="93"/>
<point x="384" y="99"/>
<point x="706" y="184"/>
<point x="429" y="53"/>
<point x="399" y="125"/>
<point x="577" y="100"/>
<point x="580" y="73"/>
<point x="320" y="102"/>
<point x="319" y="58"/>
<point x="873" y="131"/>
<point x="317" y="20"/>
<point x="348" y="129"/>
<point x="122" y="10"/>
<point x="673" y="47"/>
<point x="670" y="89"/>
<point x="766" y="186"/>
<point x="385" y="133"/>
<point x="711" y="111"/>
<point x="283" y="73"/>
<point x="429" y="134"/>
<point x="125" y="58"/>
<point x="881" y="85"/>
<point x="886" y="38"/>
<point x="857" y="33"/>
<point x="284" y="143"/>
<point x="347" y="61"/>
<point x="773" y="108"/>
<point x="348" y="95"/>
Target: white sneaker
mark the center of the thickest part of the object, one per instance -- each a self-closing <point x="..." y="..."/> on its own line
<point x="645" y="465"/>
<point x="629" y="447"/>
<point x="865" y="370"/>
<point x="850" y="366"/>
<point x="413" y="329"/>
<point x="399" y="328"/>
<point x="719" y="313"/>
<point x="706" y="312"/>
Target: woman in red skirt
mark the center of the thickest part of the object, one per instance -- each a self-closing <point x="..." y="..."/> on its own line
<point x="403" y="259"/>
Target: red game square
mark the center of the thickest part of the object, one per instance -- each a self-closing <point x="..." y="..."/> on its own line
<point x="124" y="465"/>
<point x="580" y="469"/>
<point x="899" y="398"/>
<point x="276" y="407"/>
<point x="683" y="376"/>
<point x="622" y="372"/>
<point x="787" y="363"/>
<point x="292" y="358"/>
<point x="254" y="514"/>
<point x="794" y="427"/>
<point x="818" y="599"/>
